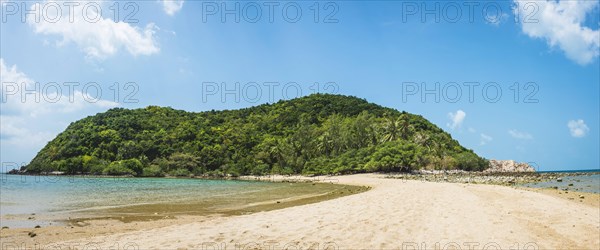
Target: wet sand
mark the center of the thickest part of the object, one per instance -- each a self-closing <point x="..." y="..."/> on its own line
<point x="130" y="218"/>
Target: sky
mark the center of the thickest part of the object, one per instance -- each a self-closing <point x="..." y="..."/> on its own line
<point x="509" y="79"/>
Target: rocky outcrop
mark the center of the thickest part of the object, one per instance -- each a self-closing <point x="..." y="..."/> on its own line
<point x="23" y="170"/>
<point x="509" y="166"/>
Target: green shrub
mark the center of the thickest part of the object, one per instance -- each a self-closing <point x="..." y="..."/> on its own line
<point x="152" y="171"/>
<point x="133" y="164"/>
<point x="260" y="169"/>
<point x="116" y="168"/>
<point x="180" y="172"/>
<point x="97" y="167"/>
<point x="469" y="161"/>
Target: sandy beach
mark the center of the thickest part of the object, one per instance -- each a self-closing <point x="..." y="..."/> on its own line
<point x="394" y="214"/>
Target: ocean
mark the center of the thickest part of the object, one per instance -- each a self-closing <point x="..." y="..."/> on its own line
<point x="580" y="183"/>
<point x="26" y="201"/>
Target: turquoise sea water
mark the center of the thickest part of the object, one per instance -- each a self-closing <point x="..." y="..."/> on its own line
<point x="49" y="197"/>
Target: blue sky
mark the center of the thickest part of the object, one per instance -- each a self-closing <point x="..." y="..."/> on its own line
<point x="542" y="56"/>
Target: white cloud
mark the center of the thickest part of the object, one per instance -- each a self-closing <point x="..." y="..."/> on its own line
<point x="561" y="24"/>
<point x="485" y="139"/>
<point x="578" y="128"/>
<point x="14" y="132"/>
<point x="40" y="102"/>
<point x="99" y="38"/>
<point x="456" y="119"/>
<point x="520" y="135"/>
<point x="172" y="6"/>
<point x="472" y="130"/>
<point x="26" y="124"/>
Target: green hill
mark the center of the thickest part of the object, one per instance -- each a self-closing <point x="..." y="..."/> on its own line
<point x="316" y="134"/>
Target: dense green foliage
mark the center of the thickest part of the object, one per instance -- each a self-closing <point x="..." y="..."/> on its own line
<point x="317" y="134"/>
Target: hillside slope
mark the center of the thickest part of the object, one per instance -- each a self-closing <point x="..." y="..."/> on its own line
<point x="316" y="134"/>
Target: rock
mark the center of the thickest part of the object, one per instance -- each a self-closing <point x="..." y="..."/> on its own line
<point x="38" y="226"/>
<point x="509" y="166"/>
<point x="559" y="179"/>
<point x="278" y="202"/>
<point x="32" y="234"/>
<point x="581" y="196"/>
<point x="570" y="184"/>
<point x="4" y="227"/>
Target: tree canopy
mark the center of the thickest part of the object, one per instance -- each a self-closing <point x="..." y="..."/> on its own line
<point x="316" y="134"/>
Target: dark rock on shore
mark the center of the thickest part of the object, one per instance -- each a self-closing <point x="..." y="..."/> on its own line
<point x="497" y="178"/>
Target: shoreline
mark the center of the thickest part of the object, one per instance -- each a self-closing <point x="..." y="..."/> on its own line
<point x="393" y="194"/>
<point x="450" y="176"/>
<point x="121" y="219"/>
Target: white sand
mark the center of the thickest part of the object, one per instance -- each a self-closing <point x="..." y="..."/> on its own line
<point x="395" y="214"/>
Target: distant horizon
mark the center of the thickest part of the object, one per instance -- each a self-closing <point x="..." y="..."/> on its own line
<point x="543" y="171"/>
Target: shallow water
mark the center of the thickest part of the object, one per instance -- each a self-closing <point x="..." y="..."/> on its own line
<point x="580" y="183"/>
<point x="26" y="201"/>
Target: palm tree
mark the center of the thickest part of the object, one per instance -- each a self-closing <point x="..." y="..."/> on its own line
<point x="390" y="130"/>
<point x="423" y="140"/>
<point x="404" y="126"/>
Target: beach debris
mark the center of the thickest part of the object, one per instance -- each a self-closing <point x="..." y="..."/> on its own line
<point x="32" y="234"/>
